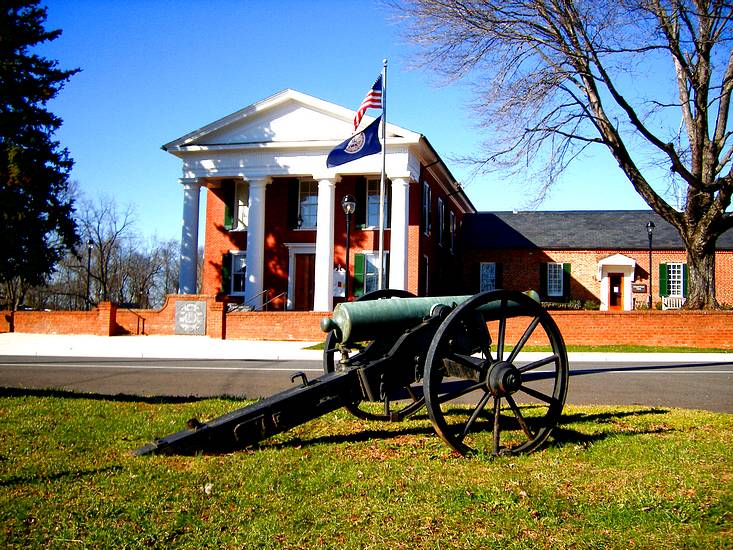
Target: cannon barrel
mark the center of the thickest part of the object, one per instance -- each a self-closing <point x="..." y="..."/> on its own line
<point x="370" y="320"/>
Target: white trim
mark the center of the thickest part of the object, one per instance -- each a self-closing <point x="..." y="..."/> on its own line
<point x="617" y="263"/>
<point x="293" y="249"/>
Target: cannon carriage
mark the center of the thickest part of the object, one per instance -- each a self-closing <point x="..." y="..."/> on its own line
<point x="458" y="357"/>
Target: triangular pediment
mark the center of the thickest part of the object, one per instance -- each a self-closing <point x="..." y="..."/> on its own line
<point x="617" y="260"/>
<point x="288" y="117"/>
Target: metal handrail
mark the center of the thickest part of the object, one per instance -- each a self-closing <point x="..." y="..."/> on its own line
<point x="264" y="306"/>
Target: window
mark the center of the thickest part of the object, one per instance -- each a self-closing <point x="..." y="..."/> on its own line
<point x="236" y="205"/>
<point x="241" y="205"/>
<point x="441" y="221"/>
<point x="426" y="208"/>
<point x="452" y="232"/>
<point x="239" y="269"/>
<point x="234" y="273"/>
<point x="372" y="202"/>
<point x="307" y="204"/>
<point x="673" y="279"/>
<point x="366" y="272"/>
<point x="487" y="276"/>
<point x="555" y="280"/>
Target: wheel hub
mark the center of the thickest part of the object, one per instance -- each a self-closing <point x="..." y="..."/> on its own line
<point x="504" y="379"/>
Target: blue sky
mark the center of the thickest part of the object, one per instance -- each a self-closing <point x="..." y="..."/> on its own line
<point x="154" y="70"/>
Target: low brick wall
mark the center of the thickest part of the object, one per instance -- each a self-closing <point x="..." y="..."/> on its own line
<point x="696" y="329"/>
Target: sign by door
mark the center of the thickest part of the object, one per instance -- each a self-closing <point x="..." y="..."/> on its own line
<point x="639" y="288"/>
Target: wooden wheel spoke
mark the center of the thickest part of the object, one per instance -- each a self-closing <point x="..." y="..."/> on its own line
<point x="523" y="340"/>
<point x="520" y="418"/>
<point x="461" y="392"/>
<point x="502" y="331"/>
<point x="479" y="407"/>
<point x="484" y="337"/>
<point x="537" y="364"/>
<point x="538" y="395"/>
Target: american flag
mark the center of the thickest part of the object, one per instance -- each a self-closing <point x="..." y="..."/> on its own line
<point x="372" y="99"/>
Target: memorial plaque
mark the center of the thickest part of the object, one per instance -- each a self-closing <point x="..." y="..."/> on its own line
<point x="190" y="317"/>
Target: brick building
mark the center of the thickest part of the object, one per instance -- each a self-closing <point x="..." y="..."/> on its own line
<point x="276" y="233"/>
<point x="600" y="256"/>
<point x="275" y="230"/>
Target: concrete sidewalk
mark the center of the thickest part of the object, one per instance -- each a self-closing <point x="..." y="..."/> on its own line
<point x="203" y="347"/>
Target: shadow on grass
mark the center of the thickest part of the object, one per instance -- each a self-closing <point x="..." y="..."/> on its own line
<point x="120" y="397"/>
<point x="66" y="474"/>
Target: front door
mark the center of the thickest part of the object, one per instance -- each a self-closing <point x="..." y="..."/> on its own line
<point x="305" y="274"/>
<point x="615" y="291"/>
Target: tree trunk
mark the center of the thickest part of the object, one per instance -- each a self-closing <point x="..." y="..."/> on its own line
<point x="701" y="268"/>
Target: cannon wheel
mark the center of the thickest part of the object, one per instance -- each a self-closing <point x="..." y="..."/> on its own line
<point x="513" y="408"/>
<point x="329" y="362"/>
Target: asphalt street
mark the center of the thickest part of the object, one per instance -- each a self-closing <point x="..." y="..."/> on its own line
<point x="693" y="385"/>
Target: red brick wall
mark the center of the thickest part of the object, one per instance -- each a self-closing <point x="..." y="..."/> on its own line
<point x="99" y="321"/>
<point x="710" y="329"/>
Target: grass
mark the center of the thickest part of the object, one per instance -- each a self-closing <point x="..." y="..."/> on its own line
<point x="611" y="478"/>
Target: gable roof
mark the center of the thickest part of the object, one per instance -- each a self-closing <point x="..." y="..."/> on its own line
<point x="287" y="118"/>
<point x="574" y="230"/>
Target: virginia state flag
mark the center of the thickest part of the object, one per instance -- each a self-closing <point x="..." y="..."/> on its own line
<point x="359" y="145"/>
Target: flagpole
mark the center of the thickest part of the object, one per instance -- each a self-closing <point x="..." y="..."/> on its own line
<point x="380" y="270"/>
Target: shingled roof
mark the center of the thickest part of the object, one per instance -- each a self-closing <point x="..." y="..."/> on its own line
<point x="574" y="230"/>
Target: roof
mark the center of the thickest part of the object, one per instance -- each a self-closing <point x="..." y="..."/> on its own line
<point x="576" y="230"/>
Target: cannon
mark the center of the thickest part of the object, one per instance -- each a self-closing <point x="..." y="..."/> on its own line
<point x="456" y="356"/>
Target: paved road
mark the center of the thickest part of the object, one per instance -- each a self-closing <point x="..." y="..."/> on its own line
<point x="689" y="385"/>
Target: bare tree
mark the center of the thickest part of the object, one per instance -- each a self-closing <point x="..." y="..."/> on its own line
<point x="558" y="76"/>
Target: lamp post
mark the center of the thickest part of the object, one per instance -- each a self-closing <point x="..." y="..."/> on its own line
<point x="348" y="203"/>
<point x="650" y="233"/>
<point x="90" y="245"/>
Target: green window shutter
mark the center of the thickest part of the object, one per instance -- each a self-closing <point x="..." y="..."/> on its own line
<point x="226" y="273"/>
<point x="359" y="264"/>
<point x="685" y="277"/>
<point x="228" y="197"/>
<point x="543" y="280"/>
<point x="566" y="281"/>
<point x="663" y="289"/>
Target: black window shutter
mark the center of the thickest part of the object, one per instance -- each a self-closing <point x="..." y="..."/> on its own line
<point x="226" y="273"/>
<point x="360" y="193"/>
<point x="543" y="280"/>
<point x="499" y="276"/>
<point x="293" y="197"/>
<point x="228" y="196"/>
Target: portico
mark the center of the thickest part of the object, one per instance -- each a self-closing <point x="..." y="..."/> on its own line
<point x="272" y="204"/>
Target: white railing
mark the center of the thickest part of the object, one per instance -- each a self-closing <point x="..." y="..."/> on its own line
<point x="672" y="302"/>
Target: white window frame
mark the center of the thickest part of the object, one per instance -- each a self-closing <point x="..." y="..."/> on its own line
<point x="675" y="279"/>
<point x="426" y="199"/>
<point x="371" y="201"/>
<point x="307" y="188"/>
<point x="371" y="271"/>
<point x="240" y="220"/>
<point x="239" y="258"/>
<point x="487" y="276"/>
<point x="452" y="231"/>
<point x="555" y="279"/>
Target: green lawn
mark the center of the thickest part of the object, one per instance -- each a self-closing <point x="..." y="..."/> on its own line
<point x="616" y="477"/>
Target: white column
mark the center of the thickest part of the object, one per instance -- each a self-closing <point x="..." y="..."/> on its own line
<point x="399" y="233"/>
<point x="189" y="236"/>
<point x="323" y="292"/>
<point x="255" y="243"/>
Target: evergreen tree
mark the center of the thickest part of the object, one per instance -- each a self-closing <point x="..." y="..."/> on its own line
<point x="36" y="210"/>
